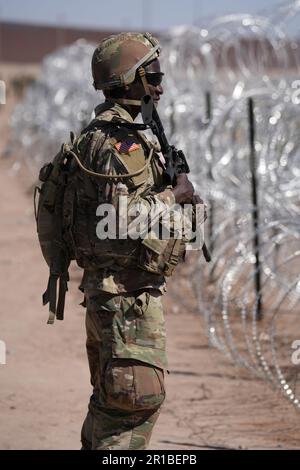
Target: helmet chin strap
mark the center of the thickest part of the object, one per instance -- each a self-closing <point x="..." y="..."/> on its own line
<point x="125" y="101"/>
<point x="142" y="75"/>
<point x="130" y="102"/>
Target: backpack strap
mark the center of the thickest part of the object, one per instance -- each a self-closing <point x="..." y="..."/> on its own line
<point x="63" y="288"/>
<point x="50" y="296"/>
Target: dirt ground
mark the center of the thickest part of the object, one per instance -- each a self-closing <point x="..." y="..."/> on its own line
<point x="45" y="383"/>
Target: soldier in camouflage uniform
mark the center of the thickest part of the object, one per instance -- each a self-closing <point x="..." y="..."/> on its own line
<point x="126" y="339"/>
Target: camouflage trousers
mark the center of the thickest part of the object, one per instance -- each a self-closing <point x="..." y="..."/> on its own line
<point x="127" y="358"/>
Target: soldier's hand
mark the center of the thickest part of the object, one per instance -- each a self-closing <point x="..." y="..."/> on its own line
<point x="197" y="199"/>
<point x="184" y="190"/>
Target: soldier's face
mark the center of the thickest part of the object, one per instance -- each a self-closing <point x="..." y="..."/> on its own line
<point x="154" y="78"/>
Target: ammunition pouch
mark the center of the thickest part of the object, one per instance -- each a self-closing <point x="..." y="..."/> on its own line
<point x="161" y="256"/>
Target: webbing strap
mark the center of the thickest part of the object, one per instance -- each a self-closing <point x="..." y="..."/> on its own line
<point x="126" y="101"/>
<point x="142" y="74"/>
<point x="45" y="296"/>
<point x="50" y="296"/>
<point x="63" y="287"/>
<point x="132" y="102"/>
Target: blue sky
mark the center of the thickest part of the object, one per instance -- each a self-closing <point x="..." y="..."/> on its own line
<point x="156" y="15"/>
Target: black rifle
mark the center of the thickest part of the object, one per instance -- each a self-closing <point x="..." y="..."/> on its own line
<point x="175" y="159"/>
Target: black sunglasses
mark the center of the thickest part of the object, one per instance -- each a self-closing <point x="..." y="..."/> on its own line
<point x="154" y="78"/>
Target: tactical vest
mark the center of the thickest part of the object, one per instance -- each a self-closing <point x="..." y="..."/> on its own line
<point x="70" y="193"/>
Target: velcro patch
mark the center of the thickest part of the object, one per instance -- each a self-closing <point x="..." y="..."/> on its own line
<point x="127" y="146"/>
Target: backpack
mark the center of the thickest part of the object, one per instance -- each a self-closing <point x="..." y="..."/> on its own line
<point x="66" y="219"/>
<point x="67" y="189"/>
<point x="53" y="214"/>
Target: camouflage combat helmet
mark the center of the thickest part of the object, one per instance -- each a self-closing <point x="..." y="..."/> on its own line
<point x="117" y="59"/>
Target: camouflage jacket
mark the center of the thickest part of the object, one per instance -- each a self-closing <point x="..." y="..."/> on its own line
<point x="126" y="152"/>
